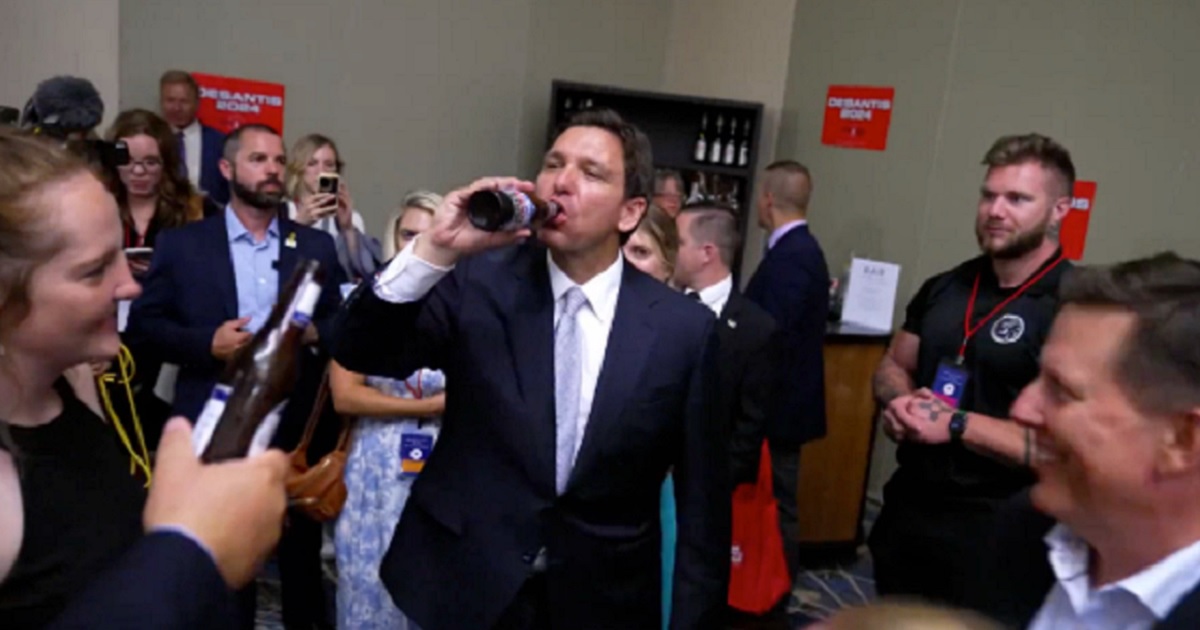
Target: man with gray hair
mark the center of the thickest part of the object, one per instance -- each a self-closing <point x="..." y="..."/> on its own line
<point x="1115" y="420"/>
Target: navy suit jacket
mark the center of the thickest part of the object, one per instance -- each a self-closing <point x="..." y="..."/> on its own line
<point x="212" y="142"/>
<point x="191" y="289"/>
<point x="164" y="581"/>
<point x="485" y="503"/>
<point x="792" y="284"/>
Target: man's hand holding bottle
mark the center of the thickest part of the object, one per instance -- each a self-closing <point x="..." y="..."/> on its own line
<point x="453" y="237"/>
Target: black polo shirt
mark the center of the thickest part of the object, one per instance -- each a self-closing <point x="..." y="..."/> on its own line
<point x="1001" y="359"/>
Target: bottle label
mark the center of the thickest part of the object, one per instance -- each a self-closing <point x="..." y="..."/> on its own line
<point x="701" y="150"/>
<point x="266" y="430"/>
<point x="305" y="303"/>
<point x="525" y="209"/>
<point x="206" y="422"/>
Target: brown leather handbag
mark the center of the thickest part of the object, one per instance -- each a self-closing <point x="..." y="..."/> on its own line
<point x="319" y="490"/>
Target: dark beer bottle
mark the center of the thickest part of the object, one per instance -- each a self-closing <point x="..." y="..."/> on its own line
<point x="243" y="411"/>
<point x="501" y="210"/>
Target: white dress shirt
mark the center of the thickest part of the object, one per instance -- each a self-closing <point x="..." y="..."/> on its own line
<point x="408" y="278"/>
<point x="716" y="296"/>
<point x="192" y="153"/>
<point x="782" y="231"/>
<point x="1137" y="602"/>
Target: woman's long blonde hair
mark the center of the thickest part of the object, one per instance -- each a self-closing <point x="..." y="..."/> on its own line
<point x="302" y="152"/>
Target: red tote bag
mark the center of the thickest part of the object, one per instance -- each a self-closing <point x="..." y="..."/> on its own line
<point x="758" y="576"/>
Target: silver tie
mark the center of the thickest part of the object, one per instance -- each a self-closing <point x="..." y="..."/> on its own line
<point x="568" y="373"/>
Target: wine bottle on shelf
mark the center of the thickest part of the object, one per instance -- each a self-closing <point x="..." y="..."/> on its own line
<point x="731" y="146"/>
<point x="714" y="153"/>
<point x="733" y="197"/>
<point x="587" y="104"/>
<point x="697" y="192"/>
<point x="701" y="151"/>
<point x="744" y="150"/>
<point x="244" y="408"/>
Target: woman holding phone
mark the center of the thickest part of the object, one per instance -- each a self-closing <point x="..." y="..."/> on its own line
<point x="319" y="197"/>
<point x="153" y="194"/>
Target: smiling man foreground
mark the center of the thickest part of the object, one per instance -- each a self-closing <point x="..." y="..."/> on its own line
<point x="575" y="383"/>
<point x="1116" y="418"/>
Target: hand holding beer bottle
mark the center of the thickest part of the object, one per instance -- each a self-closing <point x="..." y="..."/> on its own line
<point x="453" y="235"/>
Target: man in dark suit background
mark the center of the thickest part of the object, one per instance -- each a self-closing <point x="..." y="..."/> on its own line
<point x="574" y="383"/>
<point x="211" y="286"/>
<point x="199" y="145"/>
<point x="708" y="242"/>
<point x="792" y="284"/>
<point x="1115" y="417"/>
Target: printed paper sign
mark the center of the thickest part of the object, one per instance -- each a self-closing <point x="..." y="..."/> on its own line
<point x="857" y="117"/>
<point x="871" y="294"/>
<point x="1073" y="234"/>
<point x="227" y="103"/>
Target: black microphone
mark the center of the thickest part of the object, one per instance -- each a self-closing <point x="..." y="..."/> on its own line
<point x="62" y="105"/>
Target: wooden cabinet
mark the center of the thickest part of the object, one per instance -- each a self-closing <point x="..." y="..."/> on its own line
<point x="833" y="470"/>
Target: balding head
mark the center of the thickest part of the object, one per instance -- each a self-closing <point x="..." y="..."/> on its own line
<point x="789" y="185"/>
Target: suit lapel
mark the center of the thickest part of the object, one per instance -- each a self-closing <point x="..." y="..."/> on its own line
<point x="629" y="344"/>
<point x="287" y="253"/>
<point x="530" y="326"/>
<point x="222" y="261"/>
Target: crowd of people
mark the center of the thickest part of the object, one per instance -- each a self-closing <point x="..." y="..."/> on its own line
<point x="548" y="422"/>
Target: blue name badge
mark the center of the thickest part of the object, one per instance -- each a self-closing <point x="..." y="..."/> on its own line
<point x="949" y="383"/>
<point x="414" y="451"/>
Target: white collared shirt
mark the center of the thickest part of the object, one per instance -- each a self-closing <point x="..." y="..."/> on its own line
<point x="1137" y="602"/>
<point x="408" y="278"/>
<point x="716" y="296"/>
<point x="192" y="152"/>
<point x="782" y="231"/>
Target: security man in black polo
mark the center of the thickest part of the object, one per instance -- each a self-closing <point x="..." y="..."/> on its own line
<point x="969" y="344"/>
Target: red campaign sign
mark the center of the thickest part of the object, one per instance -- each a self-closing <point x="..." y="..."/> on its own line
<point x="227" y="103"/>
<point x="1073" y="233"/>
<point x="857" y="117"/>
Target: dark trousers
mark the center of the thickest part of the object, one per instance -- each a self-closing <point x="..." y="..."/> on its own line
<point x="931" y="550"/>
<point x="785" y="479"/>
<point x="300" y="580"/>
<point x="529" y="609"/>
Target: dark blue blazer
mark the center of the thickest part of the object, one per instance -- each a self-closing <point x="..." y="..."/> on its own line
<point x="164" y="581"/>
<point x="792" y="284"/>
<point x="191" y="289"/>
<point x="486" y="502"/>
<point x="212" y="142"/>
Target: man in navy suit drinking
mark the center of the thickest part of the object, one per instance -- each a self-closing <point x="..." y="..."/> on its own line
<point x="575" y="383"/>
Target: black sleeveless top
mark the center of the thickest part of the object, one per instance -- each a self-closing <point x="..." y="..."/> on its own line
<point x="83" y="509"/>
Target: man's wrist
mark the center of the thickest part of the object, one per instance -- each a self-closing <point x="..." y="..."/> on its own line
<point x="424" y="249"/>
<point x="958" y="426"/>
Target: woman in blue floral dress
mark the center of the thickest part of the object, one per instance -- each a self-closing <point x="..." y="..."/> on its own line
<point x="397" y="425"/>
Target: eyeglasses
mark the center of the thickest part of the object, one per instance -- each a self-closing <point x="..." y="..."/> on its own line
<point x="150" y="165"/>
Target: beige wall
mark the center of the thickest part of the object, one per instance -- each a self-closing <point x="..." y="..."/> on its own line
<point x="46" y="38"/>
<point x="721" y="49"/>
<point x="1109" y="80"/>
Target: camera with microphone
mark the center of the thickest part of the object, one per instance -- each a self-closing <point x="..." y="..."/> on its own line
<point x="67" y="110"/>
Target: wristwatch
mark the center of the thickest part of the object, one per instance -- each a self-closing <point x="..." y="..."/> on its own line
<point x="958" y="426"/>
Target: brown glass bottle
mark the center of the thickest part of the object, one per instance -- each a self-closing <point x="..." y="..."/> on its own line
<point x="242" y="413"/>
<point x="501" y="210"/>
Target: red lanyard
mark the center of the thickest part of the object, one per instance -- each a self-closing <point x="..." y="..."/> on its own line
<point x="420" y="390"/>
<point x="969" y="331"/>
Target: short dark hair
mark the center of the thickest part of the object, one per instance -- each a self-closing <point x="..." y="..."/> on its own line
<point x="635" y="148"/>
<point x="179" y="77"/>
<point x="715" y="223"/>
<point x="1033" y="147"/>
<point x="796" y="196"/>
<point x="1160" y="364"/>
<point x="233" y="141"/>
<point x="664" y="174"/>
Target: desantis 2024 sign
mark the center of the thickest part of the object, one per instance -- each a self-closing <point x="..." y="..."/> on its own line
<point x="227" y="103"/>
<point x="857" y="117"/>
